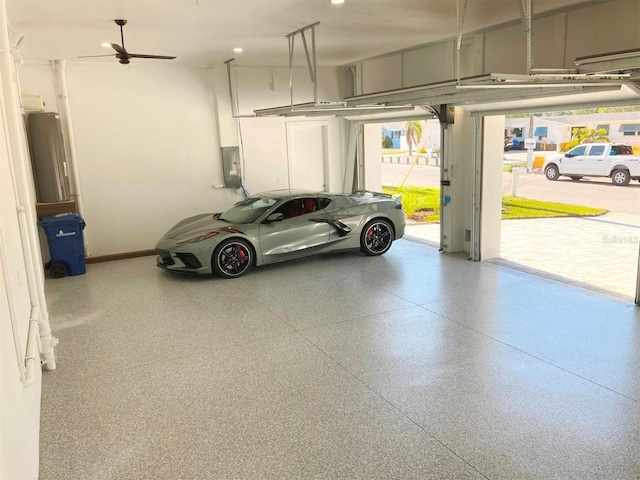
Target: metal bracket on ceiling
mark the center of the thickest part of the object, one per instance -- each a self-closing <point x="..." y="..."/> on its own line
<point x="233" y="98"/>
<point x="319" y="108"/>
<point x="233" y="105"/>
<point x="526" y="13"/>
<point x="461" y="10"/>
<point x="311" y="59"/>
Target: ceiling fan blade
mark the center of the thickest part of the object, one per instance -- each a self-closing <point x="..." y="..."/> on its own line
<point x="157" y="57"/>
<point x="118" y="49"/>
<point x="94" y="56"/>
<point x="121" y="54"/>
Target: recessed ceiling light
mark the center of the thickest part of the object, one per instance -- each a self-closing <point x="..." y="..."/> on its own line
<point x="337" y="2"/>
<point x="237" y="50"/>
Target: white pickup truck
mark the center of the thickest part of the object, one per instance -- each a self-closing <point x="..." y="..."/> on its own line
<point x="614" y="160"/>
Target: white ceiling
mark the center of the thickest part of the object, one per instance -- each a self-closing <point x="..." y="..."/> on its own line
<point x="204" y="32"/>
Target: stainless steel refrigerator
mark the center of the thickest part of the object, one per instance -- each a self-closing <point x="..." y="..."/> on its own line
<point x="48" y="159"/>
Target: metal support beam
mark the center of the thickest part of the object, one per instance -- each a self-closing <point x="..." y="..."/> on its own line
<point x="233" y="106"/>
<point x="311" y="58"/>
<point x="461" y="10"/>
<point x="526" y="12"/>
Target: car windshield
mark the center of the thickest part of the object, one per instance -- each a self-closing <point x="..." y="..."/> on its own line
<point x="248" y="210"/>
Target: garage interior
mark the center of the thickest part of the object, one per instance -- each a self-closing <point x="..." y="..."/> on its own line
<point x="416" y="364"/>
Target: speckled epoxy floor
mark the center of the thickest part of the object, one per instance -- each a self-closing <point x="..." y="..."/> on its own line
<point x="600" y="252"/>
<point x="410" y="365"/>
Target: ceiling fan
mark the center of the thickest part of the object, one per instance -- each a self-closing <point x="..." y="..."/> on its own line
<point x="121" y="54"/>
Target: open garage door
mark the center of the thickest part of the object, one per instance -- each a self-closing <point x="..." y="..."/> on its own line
<point x="469" y="149"/>
<point x="596" y="244"/>
<point x="597" y="232"/>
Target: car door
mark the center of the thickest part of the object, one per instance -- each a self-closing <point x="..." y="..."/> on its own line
<point x="301" y="230"/>
<point x="593" y="163"/>
<point x="573" y="161"/>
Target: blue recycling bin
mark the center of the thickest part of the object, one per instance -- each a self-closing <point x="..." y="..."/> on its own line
<point x="66" y="244"/>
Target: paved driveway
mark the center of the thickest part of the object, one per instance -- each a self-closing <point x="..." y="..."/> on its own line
<point x="598" y="251"/>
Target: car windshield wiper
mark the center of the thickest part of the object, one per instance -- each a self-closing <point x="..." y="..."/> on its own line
<point x="223" y="219"/>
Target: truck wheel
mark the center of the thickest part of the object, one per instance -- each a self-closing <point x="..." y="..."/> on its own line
<point x="551" y="172"/>
<point x="576" y="178"/>
<point x="620" y="177"/>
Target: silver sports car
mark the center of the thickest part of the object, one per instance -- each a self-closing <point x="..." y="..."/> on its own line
<point x="280" y="225"/>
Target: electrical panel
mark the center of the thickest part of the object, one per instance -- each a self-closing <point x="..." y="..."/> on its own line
<point x="231" y="167"/>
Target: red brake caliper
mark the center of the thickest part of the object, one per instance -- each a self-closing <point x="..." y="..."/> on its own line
<point x="242" y="256"/>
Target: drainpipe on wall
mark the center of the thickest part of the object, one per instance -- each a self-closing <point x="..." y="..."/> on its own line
<point x="64" y="111"/>
<point x="24" y="191"/>
<point x="476" y="191"/>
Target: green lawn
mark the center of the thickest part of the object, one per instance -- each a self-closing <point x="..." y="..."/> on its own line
<point x="423" y="204"/>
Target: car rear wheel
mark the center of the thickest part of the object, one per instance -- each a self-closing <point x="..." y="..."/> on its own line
<point x="376" y="238"/>
<point x="620" y="177"/>
<point x="232" y="258"/>
<point x="551" y="172"/>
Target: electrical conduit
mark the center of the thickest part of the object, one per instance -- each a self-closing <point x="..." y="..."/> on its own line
<point x="24" y="189"/>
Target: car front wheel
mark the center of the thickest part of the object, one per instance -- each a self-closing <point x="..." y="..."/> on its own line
<point x="620" y="177"/>
<point x="551" y="172"/>
<point x="232" y="258"/>
<point x="376" y="238"/>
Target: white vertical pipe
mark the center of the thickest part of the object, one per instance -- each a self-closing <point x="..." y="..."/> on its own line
<point x="32" y="357"/>
<point x="25" y="197"/>
<point x="476" y="199"/>
<point x="65" y="112"/>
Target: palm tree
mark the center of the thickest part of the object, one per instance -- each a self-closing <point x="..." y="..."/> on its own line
<point x="413" y="133"/>
<point x="590" y="135"/>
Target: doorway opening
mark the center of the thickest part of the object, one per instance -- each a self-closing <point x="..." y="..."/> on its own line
<point x="405" y="157"/>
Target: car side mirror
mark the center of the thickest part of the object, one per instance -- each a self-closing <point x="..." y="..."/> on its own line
<point x="274" y="217"/>
<point x="568" y="155"/>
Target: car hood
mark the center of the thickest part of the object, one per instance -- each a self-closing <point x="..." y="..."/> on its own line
<point x="554" y="158"/>
<point x="198" y="225"/>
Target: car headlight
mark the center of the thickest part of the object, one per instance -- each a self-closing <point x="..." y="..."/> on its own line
<point x="199" y="238"/>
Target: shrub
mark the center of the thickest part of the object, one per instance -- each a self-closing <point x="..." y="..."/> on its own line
<point x="386" y="142"/>
<point x="566" y="146"/>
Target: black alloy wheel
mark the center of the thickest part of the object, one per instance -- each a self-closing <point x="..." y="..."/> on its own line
<point x="232" y="258"/>
<point x="376" y="238"/>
